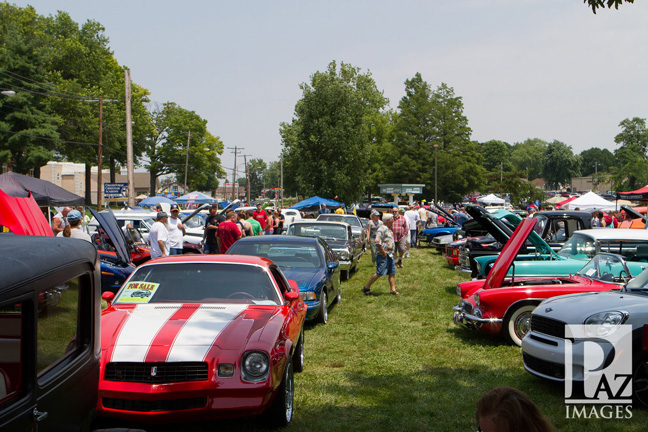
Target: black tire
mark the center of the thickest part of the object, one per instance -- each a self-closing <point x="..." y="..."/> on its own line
<point x="344" y="275"/>
<point x="298" y="354"/>
<point x="518" y="324"/>
<point x="281" y="411"/>
<point x="322" y="316"/>
<point x="640" y="382"/>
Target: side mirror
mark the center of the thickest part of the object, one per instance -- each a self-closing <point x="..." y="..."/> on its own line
<point x="108" y="297"/>
<point x="291" y="296"/>
<point x="332" y="265"/>
<point x="293" y="285"/>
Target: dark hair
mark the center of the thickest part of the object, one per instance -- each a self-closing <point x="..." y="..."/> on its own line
<point x="249" y="213"/>
<point x="67" y="231"/>
<point x="512" y="411"/>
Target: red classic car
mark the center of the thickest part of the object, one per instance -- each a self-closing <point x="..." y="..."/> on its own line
<point x="452" y="252"/>
<point x="216" y="336"/>
<point x="503" y="306"/>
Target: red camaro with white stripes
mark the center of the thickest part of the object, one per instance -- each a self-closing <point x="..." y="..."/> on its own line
<point x="202" y="337"/>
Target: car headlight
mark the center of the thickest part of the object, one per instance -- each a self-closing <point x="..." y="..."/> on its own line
<point x="343" y="254"/>
<point x="255" y="366"/>
<point x="479" y="267"/>
<point x="458" y="290"/>
<point x="476" y="297"/>
<point x="308" y="295"/>
<point x="604" y="323"/>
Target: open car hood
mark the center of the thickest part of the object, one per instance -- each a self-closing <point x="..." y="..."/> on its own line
<point x="508" y="254"/>
<point x="494" y="226"/>
<point x="108" y="223"/>
<point x="22" y="216"/>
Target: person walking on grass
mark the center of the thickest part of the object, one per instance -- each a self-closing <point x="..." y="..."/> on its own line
<point x="401" y="234"/>
<point x="385" y="265"/>
<point x="372" y="229"/>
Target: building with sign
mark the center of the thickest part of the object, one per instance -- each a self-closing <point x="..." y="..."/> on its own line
<point x="396" y="190"/>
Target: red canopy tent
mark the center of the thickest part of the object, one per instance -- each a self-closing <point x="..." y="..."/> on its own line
<point x="636" y="195"/>
<point x="562" y="203"/>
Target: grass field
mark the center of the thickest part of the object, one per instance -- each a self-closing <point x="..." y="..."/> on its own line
<point x="390" y="363"/>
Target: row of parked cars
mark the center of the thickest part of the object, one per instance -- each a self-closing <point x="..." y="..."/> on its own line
<point x="184" y="338"/>
<point x="528" y="292"/>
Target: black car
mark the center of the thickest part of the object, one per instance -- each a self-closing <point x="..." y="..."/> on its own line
<point x="49" y="356"/>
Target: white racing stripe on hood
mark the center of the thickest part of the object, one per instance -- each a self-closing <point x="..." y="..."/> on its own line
<point x="142" y="325"/>
<point x="201" y="330"/>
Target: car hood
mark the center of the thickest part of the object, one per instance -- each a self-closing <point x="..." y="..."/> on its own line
<point x="336" y="244"/>
<point x="494" y="226"/>
<point x="174" y="332"/>
<point x="22" y="216"/>
<point x="305" y="278"/>
<point x="576" y="308"/>
<point x="508" y="254"/>
<point x="108" y="222"/>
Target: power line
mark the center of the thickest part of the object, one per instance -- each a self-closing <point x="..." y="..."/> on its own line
<point x="47" y="138"/>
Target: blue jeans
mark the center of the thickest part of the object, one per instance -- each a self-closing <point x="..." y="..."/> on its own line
<point x="385" y="265"/>
<point x="175" y="251"/>
<point x="210" y="248"/>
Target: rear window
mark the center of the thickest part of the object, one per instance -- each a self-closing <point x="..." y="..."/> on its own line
<point x="284" y="254"/>
<point x="325" y="231"/>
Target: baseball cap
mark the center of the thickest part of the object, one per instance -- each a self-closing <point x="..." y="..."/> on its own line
<point x="402" y="210"/>
<point x="375" y="213"/>
<point x="175" y="207"/>
<point x="215" y="206"/>
<point x="74" y="215"/>
<point x="161" y="215"/>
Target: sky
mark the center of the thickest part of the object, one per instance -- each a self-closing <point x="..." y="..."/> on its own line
<point x="548" y="69"/>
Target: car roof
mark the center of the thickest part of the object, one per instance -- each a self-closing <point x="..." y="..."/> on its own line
<point x="218" y="259"/>
<point x="314" y="221"/>
<point x="614" y="234"/>
<point x="28" y="257"/>
<point x="129" y="214"/>
<point x="278" y="239"/>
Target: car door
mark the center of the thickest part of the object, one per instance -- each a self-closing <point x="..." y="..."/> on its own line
<point x="333" y="275"/>
<point x="293" y="309"/>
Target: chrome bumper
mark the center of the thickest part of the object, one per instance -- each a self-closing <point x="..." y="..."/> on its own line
<point x="473" y="322"/>
<point x="463" y="272"/>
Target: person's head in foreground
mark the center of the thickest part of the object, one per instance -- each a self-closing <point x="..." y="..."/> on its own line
<point x="505" y="409"/>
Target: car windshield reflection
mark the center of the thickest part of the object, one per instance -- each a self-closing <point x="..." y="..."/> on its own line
<point x="199" y="283"/>
<point x="296" y="255"/>
<point x="325" y="231"/>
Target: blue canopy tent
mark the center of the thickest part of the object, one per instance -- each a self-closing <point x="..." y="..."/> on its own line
<point x="195" y="198"/>
<point x="152" y="201"/>
<point x="316" y="201"/>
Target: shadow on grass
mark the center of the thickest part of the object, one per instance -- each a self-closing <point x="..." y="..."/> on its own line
<point x="476" y="337"/>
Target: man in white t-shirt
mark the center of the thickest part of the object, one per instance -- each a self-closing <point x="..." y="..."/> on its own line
<point x="176" y="232"/>
<point x="413" y="219"/>
<point x="159" y="235"/>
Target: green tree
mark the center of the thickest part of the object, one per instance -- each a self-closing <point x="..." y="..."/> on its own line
<point x="327" y="140"/>
<point x="459" y="162"/>
<point x="596" y="160"/>
<point x="256" y="171"/>
<point x="29" y="129"/>
<point x="600" y="4"/>
<point x="166" y="149"/>
<point x="632" y="170"/>
<point x="559" y="164"/>
<point x="527" y="157"/>
<point x="496" y="156"/>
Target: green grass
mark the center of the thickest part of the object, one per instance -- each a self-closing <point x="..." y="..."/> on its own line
<point x="389" y="363"/>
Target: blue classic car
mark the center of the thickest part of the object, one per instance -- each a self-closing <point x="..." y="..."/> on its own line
<point x="309" y="261"/>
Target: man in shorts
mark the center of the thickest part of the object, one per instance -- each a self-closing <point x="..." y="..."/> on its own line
<point x="401" y="234"/>
<point x="385" y="265"/>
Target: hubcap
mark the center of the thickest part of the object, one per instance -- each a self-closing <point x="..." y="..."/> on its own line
<point x="523" y="324"/>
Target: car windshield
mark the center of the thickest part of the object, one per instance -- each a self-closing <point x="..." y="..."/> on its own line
<point x="540" y="225"/>
<point x="606" y="268"/>
<point x="351" y="220"/>
<point x="195" y="222"/>
<point x="199" y="283"/>
<point x="284" y="254"/>
<point x="579" y="247"/>
<point x="325" y="231"/>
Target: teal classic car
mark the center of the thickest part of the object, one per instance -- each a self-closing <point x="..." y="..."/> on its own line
<point x="632" y="244"/>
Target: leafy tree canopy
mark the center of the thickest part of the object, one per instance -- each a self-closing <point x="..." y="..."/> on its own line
<point x="559" y="164"/>
<point x="596" y="160"/>
<point x="632" y="170"/>
<point x="600" y="4"/>
<point x="496" y="156"/>
<point x="527" y="157"/>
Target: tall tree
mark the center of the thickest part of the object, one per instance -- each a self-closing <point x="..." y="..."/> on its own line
<point x="328" y="137"/>
<point x="459" y="162"/>
<point x="28" y="127"/>
<point x="527" y="157"/>
<point x="596" y="160"/>
<point x="559" y="164"/>
<point x="496" y="156"/>
<point x="600" y="4"/>
<point x="632" y="171"/>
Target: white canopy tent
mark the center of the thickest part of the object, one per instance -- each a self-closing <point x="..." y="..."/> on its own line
<point x="490" y="200"/>
<point x="590" y="202"/>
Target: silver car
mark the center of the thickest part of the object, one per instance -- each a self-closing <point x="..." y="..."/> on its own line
<point x="356" y="225"/>
<point x="544" y="348"/>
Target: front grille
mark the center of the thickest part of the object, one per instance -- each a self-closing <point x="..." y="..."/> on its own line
<point x="544" y="367"/>
<point x="548" y="326"/>
<point x="466" y="307"/>
<point x="150" y="406"/>
<point x="156" y="373"/>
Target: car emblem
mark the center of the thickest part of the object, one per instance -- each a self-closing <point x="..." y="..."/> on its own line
<point x="154" y="371"/>
<point x="548" y="310"/>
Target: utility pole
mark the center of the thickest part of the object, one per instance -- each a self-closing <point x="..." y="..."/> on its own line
<point x="99" y="156"/>
<point x="247" y="178"/>
<point x="187" y="163"/>
<point x="129" y="141"/>
<point x="281" y="185"/>
<point x="234" y="180"/>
